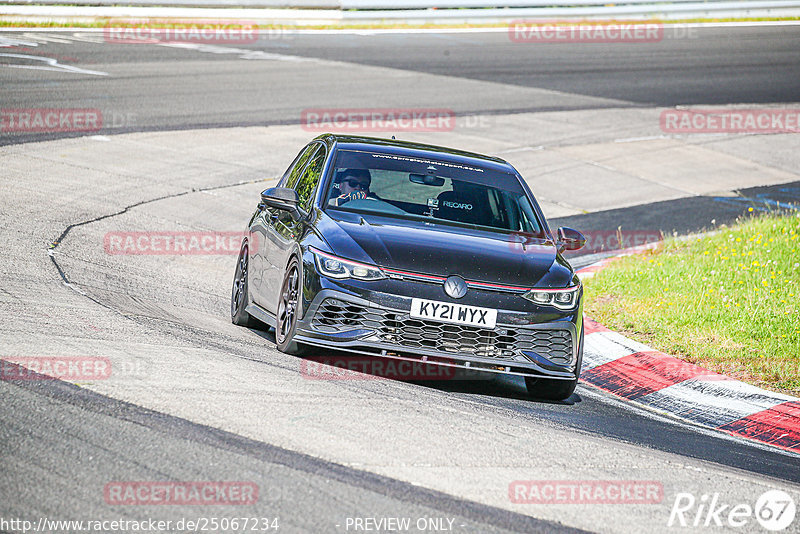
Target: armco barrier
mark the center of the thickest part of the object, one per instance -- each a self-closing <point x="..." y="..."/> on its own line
<point x="382" y="5"/>
<point x="299" y="12"/>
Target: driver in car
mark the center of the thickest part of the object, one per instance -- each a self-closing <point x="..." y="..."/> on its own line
<point x="353" y="185"/>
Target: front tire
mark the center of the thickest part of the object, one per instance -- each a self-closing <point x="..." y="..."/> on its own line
<point x="239" y="294"/>
<point x="288" y="309"/>
<point x="549" y="389"/>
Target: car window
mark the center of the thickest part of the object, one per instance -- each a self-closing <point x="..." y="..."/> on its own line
<point x="414" y="188"/>
<point x="308" y="181"/>
<point x="292" y="174"/>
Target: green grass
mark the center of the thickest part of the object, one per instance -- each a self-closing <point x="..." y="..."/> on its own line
<point x="727" y="301"/>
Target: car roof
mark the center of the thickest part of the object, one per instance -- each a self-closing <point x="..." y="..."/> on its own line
<point x="394" y="146"/>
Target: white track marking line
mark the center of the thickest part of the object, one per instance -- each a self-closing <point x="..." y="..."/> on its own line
<point x="46" y="39"/>
<point x="53" y="65"/>
<point x="245" y="53"/>
<point x="87" y="38"/>
<point x="8" y="41"/>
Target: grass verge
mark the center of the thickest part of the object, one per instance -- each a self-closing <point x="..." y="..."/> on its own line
<point x="728" y="302"/>
<point x="16" y="21"/>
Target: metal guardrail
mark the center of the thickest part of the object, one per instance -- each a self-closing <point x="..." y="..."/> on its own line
<point x="694" y="9"/>
<point x="584" y="8"/>
<point x="500" y="4"/>
<point x="279" y="4"/>
<point x="316" y="12"/>
<point x="386" y="5"/>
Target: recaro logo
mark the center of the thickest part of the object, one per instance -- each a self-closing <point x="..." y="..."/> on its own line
<point x="457" y="205"/>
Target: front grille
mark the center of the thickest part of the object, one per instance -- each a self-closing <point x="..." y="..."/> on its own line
<point x="397" y="328"/>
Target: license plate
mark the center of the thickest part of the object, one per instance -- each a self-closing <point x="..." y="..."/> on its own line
<point x="446" y="312"/>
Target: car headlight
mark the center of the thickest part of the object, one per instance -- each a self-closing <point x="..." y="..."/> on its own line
<point x="563" y="299"/>
<point x="336" y="267"/>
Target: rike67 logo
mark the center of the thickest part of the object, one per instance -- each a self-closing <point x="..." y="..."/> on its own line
<point x="774" y="510"/>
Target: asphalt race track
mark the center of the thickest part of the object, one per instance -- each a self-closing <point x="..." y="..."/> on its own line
<point x="192" y="133"/>
<point x="270" y="81"/>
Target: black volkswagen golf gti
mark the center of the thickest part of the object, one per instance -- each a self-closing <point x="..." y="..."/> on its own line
<point x="413" y="252"/>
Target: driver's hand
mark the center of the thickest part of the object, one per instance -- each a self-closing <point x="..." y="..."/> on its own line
<point x="355" y="195"/>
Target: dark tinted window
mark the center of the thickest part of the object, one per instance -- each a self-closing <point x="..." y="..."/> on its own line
<point x="310" y="178"/>
<point x="292" y="174"/>
<point x="421" y="187"/>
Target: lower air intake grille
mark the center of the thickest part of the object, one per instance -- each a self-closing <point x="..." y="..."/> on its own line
<point x="397" y="328"/>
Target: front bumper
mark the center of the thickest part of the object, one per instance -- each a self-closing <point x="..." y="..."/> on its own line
<point x="379" y="325"/>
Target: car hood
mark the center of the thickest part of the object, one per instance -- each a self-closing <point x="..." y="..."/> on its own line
<point x="444" y="250"/>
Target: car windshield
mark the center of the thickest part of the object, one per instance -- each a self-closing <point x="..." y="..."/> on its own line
<point x="412" y="187"/>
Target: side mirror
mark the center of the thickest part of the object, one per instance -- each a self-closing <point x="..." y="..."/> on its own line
<point x="281" y="198"/>
<point x="569" y="239"/>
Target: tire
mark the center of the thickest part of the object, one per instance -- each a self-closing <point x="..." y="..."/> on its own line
<point x="239" y="294"/>
<point x="549" y="389"/>
<point x="286" y="318"/>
